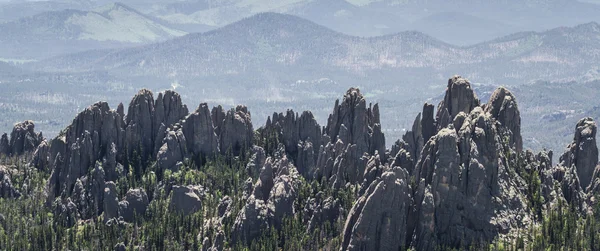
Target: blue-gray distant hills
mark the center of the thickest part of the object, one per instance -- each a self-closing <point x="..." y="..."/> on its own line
<point x="66" y="31"/>
<point x="295" y="46"/>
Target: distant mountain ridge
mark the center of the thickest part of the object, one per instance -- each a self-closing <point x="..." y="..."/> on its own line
<point x="275" y="41"/>
<point x="76" y="30"/>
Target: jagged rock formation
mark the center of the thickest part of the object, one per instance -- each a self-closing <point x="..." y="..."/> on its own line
<point x="455" y="179"/>
<point x="463" y="190"/>
<point x="583" y="152"/>
<point x="299" y="135"/>
<point x="22" y="139"/>
<point x="381" y="214"/>
<point x="199" y="129"/>
<point x="577" y="171"/>
<point x="107" y="139"/>
<point x="503" y="107"/>
<point x="40" y="156"/>
<point x="271" y="201"/>
<point x="88" y="139"/>
<point x="235" y="130"/>
<point x="354" y="123"/>
<point x="7" y="190"/>
<point x="459" y="98"/>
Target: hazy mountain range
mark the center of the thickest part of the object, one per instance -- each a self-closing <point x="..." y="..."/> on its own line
<point x="292" y="45"/>
<point x="471" y="21"/>
<point x="66" y="31"/>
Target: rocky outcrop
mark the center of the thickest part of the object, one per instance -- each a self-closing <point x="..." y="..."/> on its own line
<point x="354" y="123"/>
<point x="134" y="205"/>
<point x="185" y="200"/>
<point x="271" y="201"/>
<point x="299" y="135"/>
<point x="168" y="110"/>
<point x="217" y="115"/>
<point x="381" y="214"/>
<point x="462" y="191"/>
<point x="93" y="133"/>
<point x="236" y="131"/>
<point x="503" y="107"/>
<point x="353" y="134"/>
<point x="173" y="150"/>
<point x="23" y="139"/>
<point x="7" y="190"/>
<point x="4" y="145"/>
<point x="101" y="135"/>
<point x="110" y="201"/>
<point x="140" y="124"/>
<point x="200" y="133"/>
<point x="459" y="98"/>
<point x="256" y="162"/>
<point x="582" y="153"/>
<point x="41" y="156"/>
<point x="147" y="120"/>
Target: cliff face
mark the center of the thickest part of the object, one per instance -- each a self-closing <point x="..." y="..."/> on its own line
<point x="459" y="178"/>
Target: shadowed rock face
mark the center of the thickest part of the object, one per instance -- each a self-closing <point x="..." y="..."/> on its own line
<point x="236" y="130"/>
<point x="503" y="107"/>
<point x="582" y="153"/>
<point x="7" y="190"/>
<point x="354" y="123"/>
<point x="301" y="136"/>
<point x="23" y="139"/>
<point x="200" y="132"/>
<point x="381" y="214"/>
<point x="141" y="131"/>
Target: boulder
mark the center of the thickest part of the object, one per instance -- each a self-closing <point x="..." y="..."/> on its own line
<point x="133" y="205"/>
<point x="185" y="200"/>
